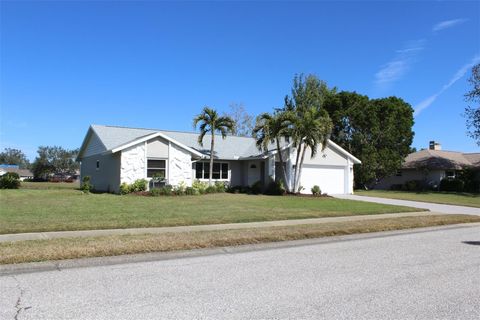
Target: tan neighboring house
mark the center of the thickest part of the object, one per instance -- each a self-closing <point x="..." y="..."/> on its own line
<point x="113" y="155"/>
<point x="23" y="173"/>
<point x="431" y="166"/>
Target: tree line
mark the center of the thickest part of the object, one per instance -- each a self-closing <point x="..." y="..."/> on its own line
<point x="50" y="160"/>
<point x="377" y="131"/>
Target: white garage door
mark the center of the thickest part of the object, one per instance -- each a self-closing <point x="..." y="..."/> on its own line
<point x="330" y="180"/>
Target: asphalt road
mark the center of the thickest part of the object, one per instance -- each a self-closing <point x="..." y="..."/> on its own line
<point x="428" y="275"/>
<point x="434" y="207"/>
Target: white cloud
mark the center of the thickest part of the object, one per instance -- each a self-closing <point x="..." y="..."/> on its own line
<point x="396" y="68"/>
<point x="457" y="76"/>
<point x="447" y="24"/>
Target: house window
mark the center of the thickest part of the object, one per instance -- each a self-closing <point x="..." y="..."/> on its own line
<point x="399" y="173"/>
<point x="156" y="168"/>
<point x="220" y="170"/>
<point x="450" y="174"/>
<point x="98" y="164"/>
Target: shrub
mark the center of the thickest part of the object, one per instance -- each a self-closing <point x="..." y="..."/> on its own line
<point x="275" y="188"/>
<point x="180" y="188"/>
<point x="454" y="185"/>
<point x="10" y="180"/>
<point x="124" y="188"/>
<point x="413" y="185"/>
<point x="86" y="185"/>
<point x="211" y="189"/>
<point x="155" y="192"/>
<point x="256" y="187"/>
<point x="139" y="185"/>
<point x="199" y="186"/>
<point x="220" y="187"/>
<point x="316" y="190"/>
<point x="166" y="190"/>
<point x="190" y="191"/>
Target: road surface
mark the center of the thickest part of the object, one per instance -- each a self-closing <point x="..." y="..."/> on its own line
<point x="424" y="275"/>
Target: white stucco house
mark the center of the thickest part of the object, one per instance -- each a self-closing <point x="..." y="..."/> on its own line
<point x="111" y="155"/>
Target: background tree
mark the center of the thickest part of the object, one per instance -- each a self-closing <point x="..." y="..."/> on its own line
<point x="14" y="156"/>
<point x="210" y="121"/>
<point x="271" y="129"/>
<point x="54" y="160"/>
<point x="243" y="121"/>
<point x="378" y="132"/>
<point x="311" y="123"/>
<point x="472" y="113"/>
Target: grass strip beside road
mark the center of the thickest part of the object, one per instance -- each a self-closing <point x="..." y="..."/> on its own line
<point x="59" y="249"/>
<point x="451" y="198"/>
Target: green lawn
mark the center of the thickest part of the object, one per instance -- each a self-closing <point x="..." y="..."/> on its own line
<point x="461" y="199"/>
<point x="49" y="185"/>
<point x="29" y="210"/>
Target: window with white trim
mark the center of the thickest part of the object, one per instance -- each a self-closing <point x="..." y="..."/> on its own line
<point x="220" y="170"/>
<point x="156" y="168"/>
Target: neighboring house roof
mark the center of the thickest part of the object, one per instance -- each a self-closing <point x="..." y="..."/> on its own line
<point x="114" y="139"/>
<point x="20" y="172"/>
<point x="441" y="159"/>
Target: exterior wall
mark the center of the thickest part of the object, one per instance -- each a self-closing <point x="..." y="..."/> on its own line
<point x="179" y="166"/>
<point x="94" y="146"/>
<point x="327" y="157"/>
<point x="157" y="148"/>
<point x="236" y="173"/>
<point x="133" y="163"/>
<point x="107" y="176"/>
<point x="433" y="177"/>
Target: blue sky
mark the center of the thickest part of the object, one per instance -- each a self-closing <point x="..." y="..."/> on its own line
<point x="66" y="64"/>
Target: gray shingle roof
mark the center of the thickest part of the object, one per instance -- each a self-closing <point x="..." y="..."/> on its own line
<point x="232" y="147"/>
<point x="440" y="159"/>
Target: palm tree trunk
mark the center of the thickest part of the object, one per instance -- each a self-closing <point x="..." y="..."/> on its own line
<point x="300" y="169"/>
<point x="299" y="149"/>
<point x="282" y="165"/>
<point x="211" y="158"/>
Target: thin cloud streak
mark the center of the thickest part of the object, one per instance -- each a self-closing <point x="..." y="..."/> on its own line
<point x="457" y="76"/>
<point x="447" y="24"/>
<point x="399" y="65"/>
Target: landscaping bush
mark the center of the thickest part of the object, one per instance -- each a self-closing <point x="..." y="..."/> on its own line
<point x="396" y="187"/>
<point x="179" y="190"/>
<point x="470" y="180"/>
<point x="124" y="188"/>
<point x="199" y="186"/>
<point x="86" y="186"/>
<point x="211" y="189"/>
<point x="190" y="191"/>
<point x="220" y="187"/>
<point x="256" y="187"/>
<point x="166" y="191"/>
<point x="275" y="188"/>
<point x="316" y="190"/>
<point x="413" y="185"/>
<point x="453" y="185"/>
<point x="139" y="185"/>
<point x="10" y="180"/>
<point x="155" y="192"/>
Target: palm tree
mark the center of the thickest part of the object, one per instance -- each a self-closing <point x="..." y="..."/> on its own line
<point x="312" y="126"/>
<point x="211" y="122"/>
<point x="270" y="129"/>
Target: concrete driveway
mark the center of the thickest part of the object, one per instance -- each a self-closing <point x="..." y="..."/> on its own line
<point x="418" y="275"/>
<point x="434" y="207"/>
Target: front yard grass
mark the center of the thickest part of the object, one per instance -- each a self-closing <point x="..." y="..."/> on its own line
<point x="459" y="199"/>
<point x="69" y="248"/>
<point x="29" y="210"/>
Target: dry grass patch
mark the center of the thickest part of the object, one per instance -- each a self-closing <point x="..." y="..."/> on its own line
<point x="58" y="249"/>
